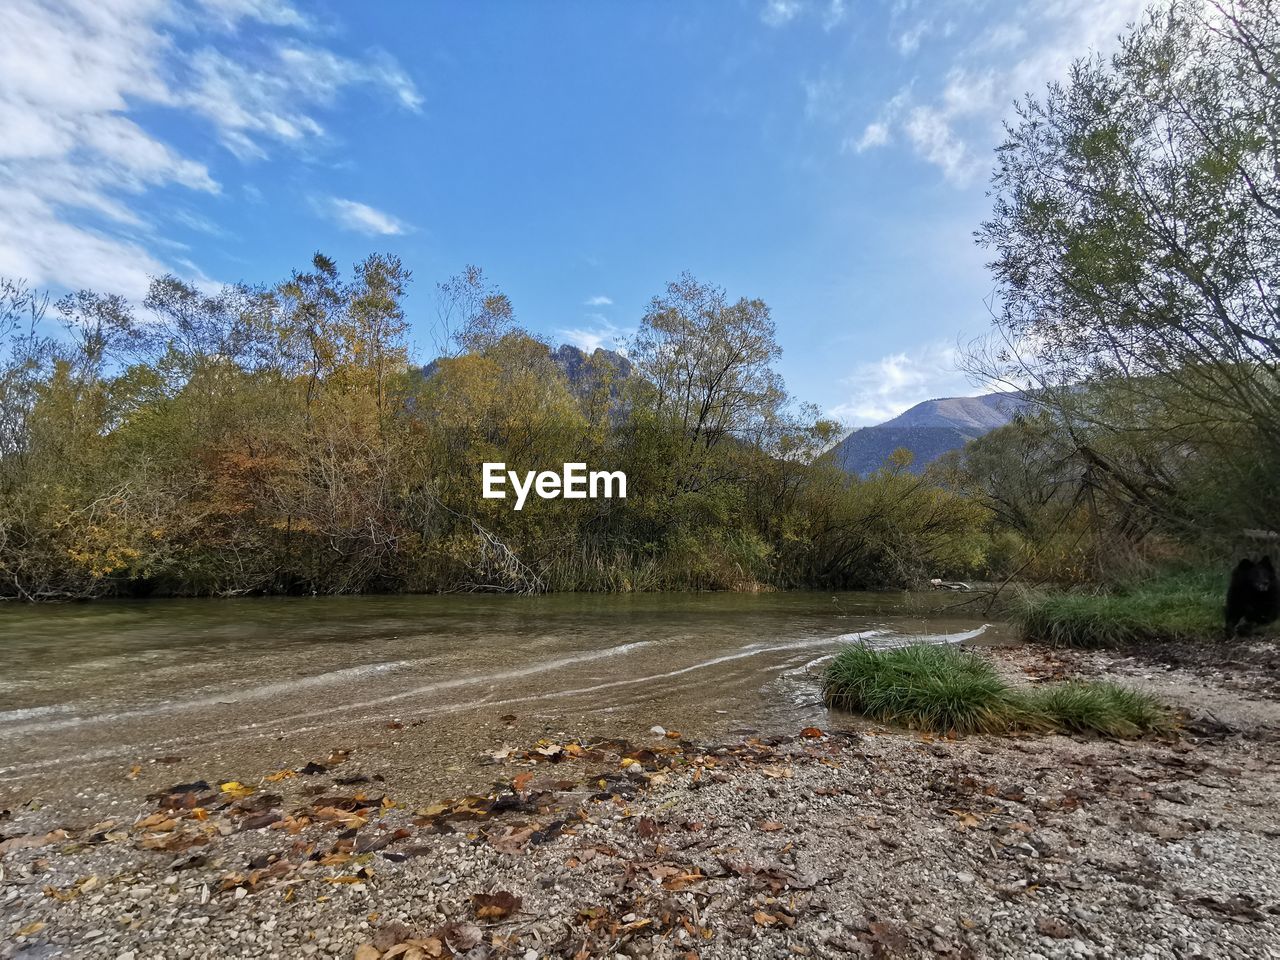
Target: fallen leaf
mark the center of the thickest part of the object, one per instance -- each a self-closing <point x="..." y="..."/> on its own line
<point x="770" y="826"/>
<point x="511" y="840"/>
<point x="234" y="788"/>
<point x="390" y="934"/>
<point x="1053" y="927"/>
<point x="495" y="906"/>
<point x="460" y="935"/>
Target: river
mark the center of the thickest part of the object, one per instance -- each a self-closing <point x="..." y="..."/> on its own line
<point x="243" y="686"/>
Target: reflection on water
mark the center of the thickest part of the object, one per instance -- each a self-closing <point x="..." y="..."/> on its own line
<point x="102" y="681"/>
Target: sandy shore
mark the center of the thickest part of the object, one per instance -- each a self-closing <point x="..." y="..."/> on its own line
<point x="860" y="841"/>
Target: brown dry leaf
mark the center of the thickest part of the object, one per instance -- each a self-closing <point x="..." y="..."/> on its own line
<point x="23" y="843"/>
<point x="279" y="775"/>
<point x="647" y="827"/>
<point x="776" y="773"/>
<point x="157" y="821"/>
<point x="892" y="937"/>
<point x="341" y="816"/>
<point x="770" y="826"/>
<point x="460" y="935"/>
<point x="511" y="840"/>
<point x="764" y="919"/>
<point x="1053" y="927"/>
<point x="134" y="772"/>
<point x="812" y="733"/>
<point x="495" y="906"/>
<point x="29" y="929"/>
<point x="520" y="781"/>
<point x="367" y="952"/>
<point x="682" y="881"/>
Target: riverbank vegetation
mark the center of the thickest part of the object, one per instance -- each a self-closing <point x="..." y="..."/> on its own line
<point x="1135" y="241"/>
<point x="1166" y="606"/>
<point x="943" y="689"/>
<point x="280" y="440"/>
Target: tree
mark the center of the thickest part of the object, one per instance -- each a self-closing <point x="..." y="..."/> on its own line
<point x="707" y="363"/>
<point x="1136" y="240"/>
<point x="471" y="314"/>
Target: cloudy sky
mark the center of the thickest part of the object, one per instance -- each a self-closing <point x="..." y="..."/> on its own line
<point x="829" y="156"/>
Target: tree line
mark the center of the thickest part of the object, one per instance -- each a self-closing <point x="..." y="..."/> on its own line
<point x="279" y="439"/>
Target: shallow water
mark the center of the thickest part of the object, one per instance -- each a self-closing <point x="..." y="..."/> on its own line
<point x="261" y="681"/>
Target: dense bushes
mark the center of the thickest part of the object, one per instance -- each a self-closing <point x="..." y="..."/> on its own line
<point x="279" y="440"/>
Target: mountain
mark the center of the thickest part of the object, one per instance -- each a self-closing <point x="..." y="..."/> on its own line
<point x="583" y="370"/>
<point x="928" y="430"/>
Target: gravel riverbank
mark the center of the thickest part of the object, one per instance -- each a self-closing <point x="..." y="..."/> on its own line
<point x="829" y="842"/>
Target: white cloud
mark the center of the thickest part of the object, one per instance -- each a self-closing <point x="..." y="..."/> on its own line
<point x="957" y="123"/>
<point x="909" y="40"/>
<point x="934" y="139"/>
<point x="251" y="103"/>
<point x="884" y="388"/>
<point x="274" y="12"/>
<point x="603" y="334"/>
<point x="777" y="13"/>
<point x="835" y="15"/>
<point x="73" y="153"/>
<point x="363" y="218"/>
<point x="875" y="135"/>
<point x="598" y="301"/>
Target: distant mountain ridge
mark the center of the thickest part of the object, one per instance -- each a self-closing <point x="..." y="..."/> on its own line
<point x="580" y="368"/>
<point x="929" y="430"/>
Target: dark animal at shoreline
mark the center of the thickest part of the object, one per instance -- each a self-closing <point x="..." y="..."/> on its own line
<point x="1253" y="597"/>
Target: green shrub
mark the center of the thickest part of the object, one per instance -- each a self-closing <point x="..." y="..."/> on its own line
<point x="944" y="689"/>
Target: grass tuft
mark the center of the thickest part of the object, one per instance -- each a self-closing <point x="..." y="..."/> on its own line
<point x="926" y="686"/>
<point x="1100" y="707"/>
<point x="944" y="689"/>
<point x="1163" y="608"/>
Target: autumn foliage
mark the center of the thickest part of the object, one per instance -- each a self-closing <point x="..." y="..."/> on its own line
<point x="282" y="440"/>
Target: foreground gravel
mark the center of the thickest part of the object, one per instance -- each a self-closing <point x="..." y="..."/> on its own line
<point x="822" y="844"/>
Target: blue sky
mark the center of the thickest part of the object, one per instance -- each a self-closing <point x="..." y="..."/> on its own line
<point x="828" y="156"/>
